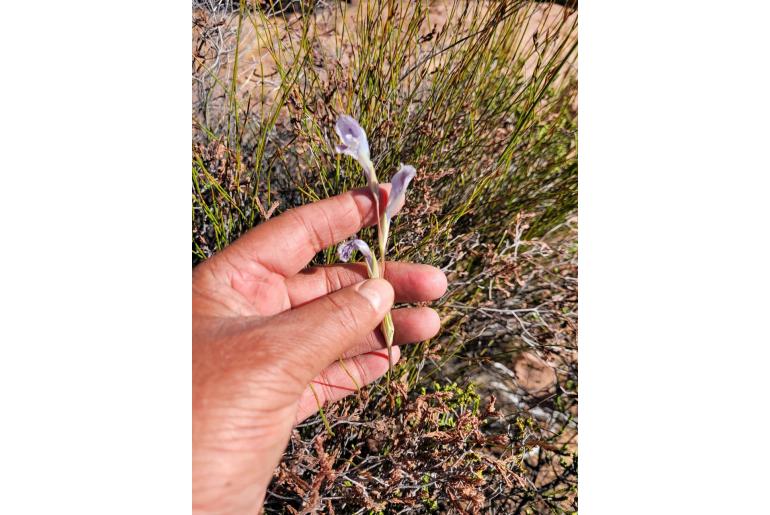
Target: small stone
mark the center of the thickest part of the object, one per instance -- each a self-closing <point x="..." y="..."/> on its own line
<point x="534" y="375"/>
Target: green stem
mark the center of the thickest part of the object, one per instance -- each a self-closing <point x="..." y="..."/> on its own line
<point x="382" y="234"/>
<point x="383" y="227"/>
<point x="388" y="329"/>
<point x="321" y="411"/>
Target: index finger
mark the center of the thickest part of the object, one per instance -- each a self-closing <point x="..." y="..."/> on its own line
<point x="287" y="243"/>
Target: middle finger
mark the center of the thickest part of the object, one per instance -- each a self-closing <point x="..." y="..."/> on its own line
<point x="412" y="282"/>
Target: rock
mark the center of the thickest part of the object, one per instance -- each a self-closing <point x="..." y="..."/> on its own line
<point x="534" y="375"/>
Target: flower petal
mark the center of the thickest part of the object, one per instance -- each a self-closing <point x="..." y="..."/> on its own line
<point x="346" y="249"/>
<point x="348" y="129"/>
<point x="354" y="142"/>
<point x="400" y="182"/>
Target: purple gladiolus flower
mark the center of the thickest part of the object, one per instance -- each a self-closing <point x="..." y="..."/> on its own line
<point x="346" y="249"/>
<point x="400" y="182"/>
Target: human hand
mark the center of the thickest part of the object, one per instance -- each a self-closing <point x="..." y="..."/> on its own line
<point x="265" y="329"/>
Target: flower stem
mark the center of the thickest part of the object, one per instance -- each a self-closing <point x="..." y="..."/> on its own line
<point x="383" y="226"/>
<point x="388" y="329"/>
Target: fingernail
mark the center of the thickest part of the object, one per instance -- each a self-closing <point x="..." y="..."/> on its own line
<point x="372" y="292"/>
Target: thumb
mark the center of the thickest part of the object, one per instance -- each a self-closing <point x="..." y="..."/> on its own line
<point x="324" y="329"/>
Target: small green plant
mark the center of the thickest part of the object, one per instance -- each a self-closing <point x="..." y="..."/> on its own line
<point x="460" y="399"/>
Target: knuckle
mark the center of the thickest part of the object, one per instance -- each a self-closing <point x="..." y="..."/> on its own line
<point x="308" y="229"/>
<point x="374" y="340"/>
<point x="344" y="314"/>
<point x="333" y="280"/>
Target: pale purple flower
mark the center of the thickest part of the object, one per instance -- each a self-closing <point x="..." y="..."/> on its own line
<point x="354" y="144"/>
<point x="346" y="249"/>
<point x="399" y="182"/>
